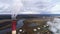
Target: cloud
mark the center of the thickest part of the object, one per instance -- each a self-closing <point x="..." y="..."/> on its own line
<point x="28" y="7"/>
<point x="4" y="8"/>
<point x="39" y="6"/>
<point x="55" y="9"/>
<point x="35" y="5"/>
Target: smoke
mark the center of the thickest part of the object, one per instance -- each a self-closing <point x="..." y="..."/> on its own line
<point x="16" y="7"/>
<point x="54" y="25"/>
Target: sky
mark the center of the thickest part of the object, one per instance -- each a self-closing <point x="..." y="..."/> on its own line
<point x="29" y="6"/>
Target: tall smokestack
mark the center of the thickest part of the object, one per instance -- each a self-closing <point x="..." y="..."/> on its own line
<point x="16" y="7"/>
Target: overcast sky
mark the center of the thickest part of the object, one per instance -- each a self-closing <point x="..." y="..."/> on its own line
<point x="29" y="6"/>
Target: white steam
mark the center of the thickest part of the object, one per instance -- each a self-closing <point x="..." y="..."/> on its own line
<point x="54" y="25"/>
<point x="16" y="7"/>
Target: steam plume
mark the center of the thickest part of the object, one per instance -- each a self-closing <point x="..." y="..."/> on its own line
<point x="54" y="25"/>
